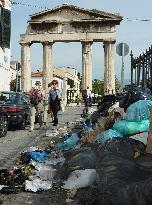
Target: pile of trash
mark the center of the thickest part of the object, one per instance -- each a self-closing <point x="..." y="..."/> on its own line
<point x="103" y="162"/>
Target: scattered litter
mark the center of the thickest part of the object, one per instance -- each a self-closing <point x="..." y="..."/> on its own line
<point x="69" y="200"/>
<point x="91" y="110"/>
<point x="2" y="186"/>
<point x="51" y="133"/>
<point x="37" y="185"/>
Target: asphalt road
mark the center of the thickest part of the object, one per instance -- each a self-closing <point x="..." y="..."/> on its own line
<point x="18" y="140"/>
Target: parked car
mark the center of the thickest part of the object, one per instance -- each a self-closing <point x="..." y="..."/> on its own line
<point x="16" y="105"/>
<point x="3" y="122"/>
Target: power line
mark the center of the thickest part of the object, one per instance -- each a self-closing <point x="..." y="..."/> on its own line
<point x="44" y="7"/>
<point x="145" y="20"/>
<point x="28" y="5"/>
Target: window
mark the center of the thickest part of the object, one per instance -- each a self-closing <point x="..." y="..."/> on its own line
<point x="5" y="27"/>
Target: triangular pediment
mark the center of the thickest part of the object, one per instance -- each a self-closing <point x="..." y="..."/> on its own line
<point x="66" y="13"/>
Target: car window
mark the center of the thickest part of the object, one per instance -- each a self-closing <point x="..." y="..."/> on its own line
<point x="26" y="98"/>
<point x="8" y="98"/>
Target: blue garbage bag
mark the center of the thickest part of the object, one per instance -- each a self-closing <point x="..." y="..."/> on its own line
<point x="139" y="110"/>
<point x="108" y="134"/>
<point x="39" y="156"/>
<point x="67" y="144"/>
<point x="129" y="127"/>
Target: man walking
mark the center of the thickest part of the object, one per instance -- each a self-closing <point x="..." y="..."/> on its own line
<point x="87" y="98"/>
<point x="55" y="101"/>
<point x="37" y="97"/>
<point x="46" y="105"/>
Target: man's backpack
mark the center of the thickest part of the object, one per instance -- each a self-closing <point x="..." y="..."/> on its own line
<point x="34" y="97"/>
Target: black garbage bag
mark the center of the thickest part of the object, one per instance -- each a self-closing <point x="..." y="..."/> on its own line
<point x="126" y="147"/>
<point x="115" y="171"/>
<point x="84" y="158"/>
<point x="95" y="117"/>
<point x="86" y="196"/>
<point x="133" y="94"/>
<point x="136" y="193"/>
<point x="107" y="99"/>
<point x="102" y="108"/>
<point x="116" y="165"/>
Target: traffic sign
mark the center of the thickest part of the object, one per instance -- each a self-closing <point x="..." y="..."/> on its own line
<point x="122" y="49"/>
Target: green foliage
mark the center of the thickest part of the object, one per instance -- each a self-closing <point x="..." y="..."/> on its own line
<point x="98" y="86"/>
<point x="117" y="84"/>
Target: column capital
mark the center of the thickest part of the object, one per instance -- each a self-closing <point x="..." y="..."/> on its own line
<point x="109" y="42"/>
<point x="47" y="43"/>
<point x="86" y="41"/>
<point x="25" y="43"/>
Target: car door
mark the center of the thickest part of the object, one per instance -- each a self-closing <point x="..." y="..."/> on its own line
<point x="26" y="104"/>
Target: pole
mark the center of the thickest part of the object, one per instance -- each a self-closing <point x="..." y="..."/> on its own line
<point x="122" y="68"/>
<point x="17" y="67"/>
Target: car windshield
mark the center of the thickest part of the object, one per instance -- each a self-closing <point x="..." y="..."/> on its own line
<point x="8" y="98"/>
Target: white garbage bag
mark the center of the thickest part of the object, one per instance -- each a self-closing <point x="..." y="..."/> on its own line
<point x="80" y="178"/>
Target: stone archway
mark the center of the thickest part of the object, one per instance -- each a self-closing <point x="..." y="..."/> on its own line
<point x="68" y="23"/>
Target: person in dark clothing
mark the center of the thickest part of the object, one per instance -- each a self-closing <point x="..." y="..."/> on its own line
<point x="55" y="101"/>
<point x="87" y="98"/>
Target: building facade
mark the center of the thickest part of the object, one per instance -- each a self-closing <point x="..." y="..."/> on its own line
<point x="68" y="79"/>
<point x="5" y="25"/>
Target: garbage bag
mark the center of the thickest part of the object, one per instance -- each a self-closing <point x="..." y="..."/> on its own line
<point x="126" y="147"/>
<point x="139" y="110"/>
<point x="39" y="156"/>
<point x="80" y="178"/>
<point x="142" y="137"/>
<point x="114" y="171"/>
<point x="136" y="193"/>
<point x="133" y="94"/>
<point x="109" y="134"/>
<point x="67" y="144"/>
<point x="129" y="128"/>
<point x="83" y="158"/>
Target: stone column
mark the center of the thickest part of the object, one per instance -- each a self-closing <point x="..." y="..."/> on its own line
<point x="47" y="64"/>
<point x="64" y="93"/>
<point x="109" y="67"/>
<point x="86" y="65"/>
<point x="25" y="67"/>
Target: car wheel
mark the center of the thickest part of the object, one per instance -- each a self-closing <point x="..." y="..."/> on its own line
<point x="3" y="126"/>
<point x="23" y="123"/>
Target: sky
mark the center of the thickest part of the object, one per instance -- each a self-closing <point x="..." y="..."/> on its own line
<point x="137" y="34"/>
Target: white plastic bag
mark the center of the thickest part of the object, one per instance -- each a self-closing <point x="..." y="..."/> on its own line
<point x="37" y="185"/>
<point x="80" y="178"/>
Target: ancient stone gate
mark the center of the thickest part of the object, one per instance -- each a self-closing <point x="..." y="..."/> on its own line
<point x="68" y="23"/>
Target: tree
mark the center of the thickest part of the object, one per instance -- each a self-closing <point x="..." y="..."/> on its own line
<point x="98" y="86"/>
